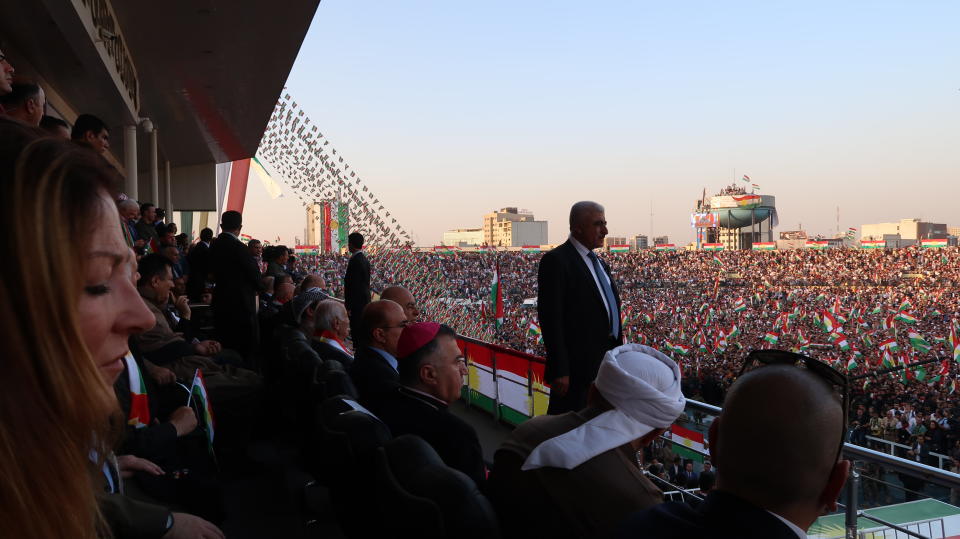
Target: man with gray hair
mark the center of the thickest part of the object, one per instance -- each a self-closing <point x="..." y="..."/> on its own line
<point x="580" y="467"/>
<point x="330" y="334"/>
<point x="579" y="309"/>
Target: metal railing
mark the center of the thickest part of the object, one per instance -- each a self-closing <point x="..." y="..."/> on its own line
<point x="941" y="458"/>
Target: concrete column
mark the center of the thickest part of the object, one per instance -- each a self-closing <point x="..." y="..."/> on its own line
<point x="169" y="189"/>
<point x="154" y="172"/>
<point x="130" y="160"/>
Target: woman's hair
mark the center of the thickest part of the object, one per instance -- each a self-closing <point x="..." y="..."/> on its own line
<point x="55" y="407"/>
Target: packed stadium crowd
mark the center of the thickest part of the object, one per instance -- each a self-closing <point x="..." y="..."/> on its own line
<point x="125" y="339"/>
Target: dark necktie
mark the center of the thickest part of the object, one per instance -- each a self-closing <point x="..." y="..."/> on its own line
<point x="612" y="310"/>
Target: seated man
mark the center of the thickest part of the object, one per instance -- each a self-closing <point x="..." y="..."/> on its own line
<point x="163" y="347"/>
<point x="330" y="334"/>
<point x="581" y="467"/>
<point x="776" y="493"/>
<point x="375" y="368"/>
<point x="431" y="375"/>
<point x="404" y="298"/>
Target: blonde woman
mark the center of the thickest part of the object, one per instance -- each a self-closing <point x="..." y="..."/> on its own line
<point x="67" y="306"/>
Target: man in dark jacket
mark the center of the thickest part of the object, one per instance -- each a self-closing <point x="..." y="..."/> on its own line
<point x="198" y="260"/>
<point x="356" y="283"/>
<point x="374" y="370"/>
<point x="237" y="283"/>
<point x="579" y="309"/>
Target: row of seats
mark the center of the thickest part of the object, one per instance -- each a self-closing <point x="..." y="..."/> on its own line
<point x="377" y="484"/>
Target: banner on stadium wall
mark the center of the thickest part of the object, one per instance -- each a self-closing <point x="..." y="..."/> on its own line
<point x="704" y="220"/>
<point x="307" y="250"/>
<point x="928" y="244"/>
<point x="764" y="246"/>
<point x="712" y="246"/>
<point x="665" y="247"/>
<point x="619" y="248"/>
<point x="505" y="383"/>
<point x="531" y="248"/>
<point x="817" y="244"/>
<point x="873" y="244"/>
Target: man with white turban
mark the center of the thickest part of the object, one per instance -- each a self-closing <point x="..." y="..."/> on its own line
<point x="576" y="474"/>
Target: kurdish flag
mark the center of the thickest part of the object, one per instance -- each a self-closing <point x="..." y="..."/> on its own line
<point x="764" y="246"/>
<point x="843" y="344"/>
<point x="927" y="244"/>
<point x="139" y="416"/>
<point x="873" y="244"/>
<point x="198" y="391"/>
<point x="771" y="337"/>
<point x="906" y="318"/>
<point x="712" y="246"/>
<point x="739" y="306"/>
<point x="954" y="343"/>
<point x="918" y="342"/>
<point x="747" y="201"/>
<point x="887" y="362"/>
<point x="688" y="438"/>
<point x="906" y="305"/>
<point x="665" y="247"/>
<point x="851" y="364"/>
<point x="817" y="244"/>
<point x="734" y="331"/>
<point x="889" y="345"/>
<point x="619" y="248"/>
<point x="829" y="321"/>
<point x="888" y="321"/>
<point x="496" y="297"/>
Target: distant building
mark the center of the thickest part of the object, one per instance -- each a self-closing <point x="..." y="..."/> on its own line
<point x="510" y="227"/>
<point x="638" y="242"/>
<point x="793" y="235"/>
<point x="660" y="240"/>
<point x="953" y="231"/>
<point x="463" y="237"/>
<point x="905" y="229"/>
<point x="613" y="240"/>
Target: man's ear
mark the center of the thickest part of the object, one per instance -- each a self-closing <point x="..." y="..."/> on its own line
<point x="90" y="136"/>
<point x="428" y="373"/>
<point x="713" y="441"/>
<point x="838" y="476"/>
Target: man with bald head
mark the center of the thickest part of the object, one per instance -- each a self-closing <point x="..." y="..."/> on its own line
<point x="774" y="476"/>
<point x="374" y="369"/>
<point x="404" y="298"/>
<point x="579" y="309"/>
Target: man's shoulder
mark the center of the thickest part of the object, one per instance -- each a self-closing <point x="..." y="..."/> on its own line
<point x="669" y="520"/>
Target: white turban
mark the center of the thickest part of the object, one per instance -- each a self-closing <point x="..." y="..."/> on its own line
<point x="642" y="384"/>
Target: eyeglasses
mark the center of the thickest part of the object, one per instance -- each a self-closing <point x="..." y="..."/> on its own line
<point x="836" y="379"/>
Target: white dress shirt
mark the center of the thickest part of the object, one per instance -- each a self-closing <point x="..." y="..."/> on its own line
<point x="585" y="254"/>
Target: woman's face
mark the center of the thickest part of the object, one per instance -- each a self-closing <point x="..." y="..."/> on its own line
<point x="110" y="307"/>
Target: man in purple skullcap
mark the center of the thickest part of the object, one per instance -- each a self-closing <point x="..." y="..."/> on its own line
<point x="431" y="370"/>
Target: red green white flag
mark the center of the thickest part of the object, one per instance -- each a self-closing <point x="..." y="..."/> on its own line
<point x="139" y="415"/>
<point x="496" y="298"/>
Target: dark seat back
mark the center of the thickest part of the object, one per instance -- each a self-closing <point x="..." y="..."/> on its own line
<point x="344" y="461"/>
<point x="421" y="496"/>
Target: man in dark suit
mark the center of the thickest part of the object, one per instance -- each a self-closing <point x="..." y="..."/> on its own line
<point x="375" y="369"/>
<point x="776" y="493"/>
<point x="235" y="294"/>
<point x="356" y="283"/>
<point x="579" y="309"/>
<point x="198" y="260"/>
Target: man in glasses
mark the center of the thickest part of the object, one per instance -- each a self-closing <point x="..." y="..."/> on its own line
<point x="374" y="369"/>
<point x="775" y="448"/>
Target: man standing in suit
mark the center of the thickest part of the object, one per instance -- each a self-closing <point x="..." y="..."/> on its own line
<point x="235" y="294"/>
<point x="198" y="260"/>
<point x="356" y="284"/>
<point x="579" y="309"/>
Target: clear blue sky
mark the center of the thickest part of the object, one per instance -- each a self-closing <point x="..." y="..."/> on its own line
<point x="449" y="109"/>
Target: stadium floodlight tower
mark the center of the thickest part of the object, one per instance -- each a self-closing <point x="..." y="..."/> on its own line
<point x="735" y="217"/>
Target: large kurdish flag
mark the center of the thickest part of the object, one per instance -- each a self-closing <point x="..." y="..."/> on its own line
<point x="665" y="247"/>
<point x="764" y="246"/>
<point x="712" y="246"/>
<point x="690" y="440"/>
<point x="619" y="248"/>
<point x="747" y="201"/>
<point x="873" y="244"/>
<point x="817" y="244"/>
<point x="926" y="244"/>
